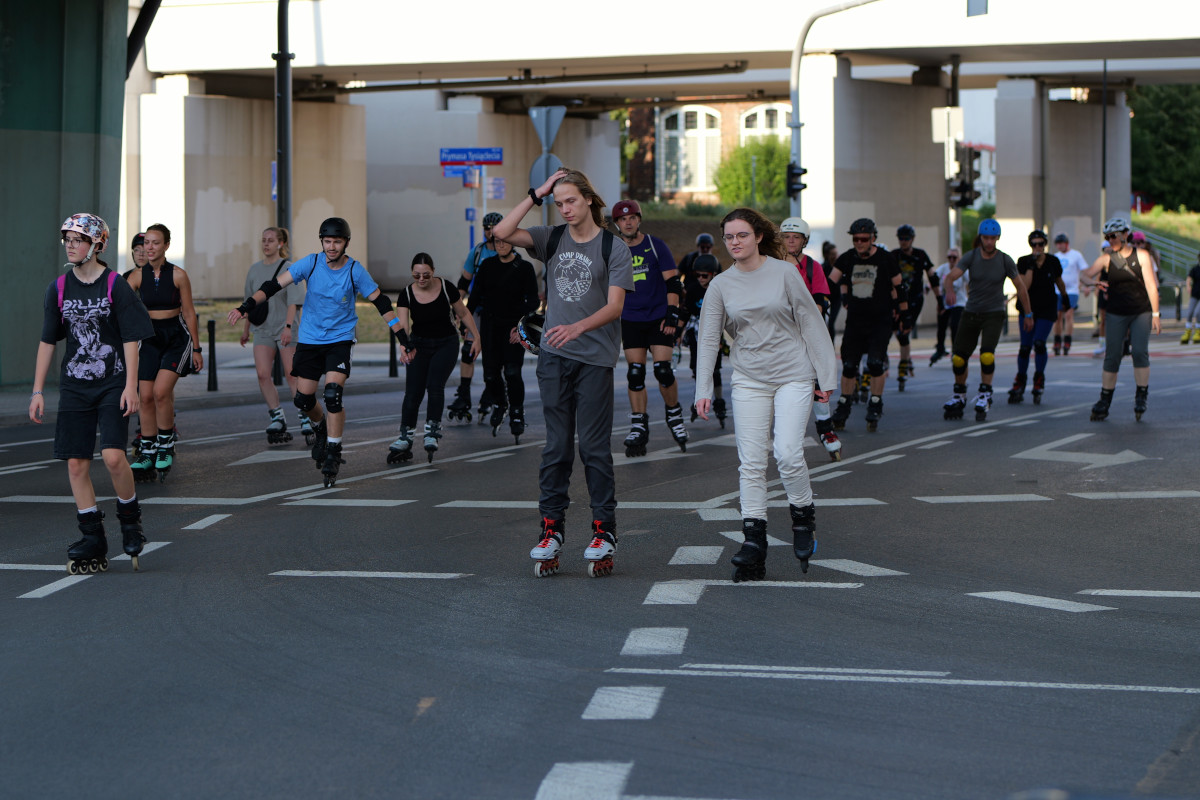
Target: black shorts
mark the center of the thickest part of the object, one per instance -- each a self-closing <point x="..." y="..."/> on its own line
<point x="80" y="410"/>
<point x="170" y="348"/>
<point x="866" y="336"/>
<point x="312" y="361"/>
<point x="644" y="335"/>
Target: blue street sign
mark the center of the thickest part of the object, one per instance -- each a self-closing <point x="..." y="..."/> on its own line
<point x="454" y="170"/>
<point x="471" y="155"/>
<point x="470" y="215"/>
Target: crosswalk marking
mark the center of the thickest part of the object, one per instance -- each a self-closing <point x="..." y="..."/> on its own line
<point x="856" y="568"/>
<point x="828" y="476"/>
<point x="341" y="502"/>
<point x="585" y="780"/>
<point x="931" y="445"/>
<point x="886" y="459"/>
<point x="201" y="524"/>
<point x="1183" y="494"/>
<point x="655" y="642"/>
<point x="693" y="554"/>
<point x="1140" y="593"/>
<point x="974" y="434"/>
<point x="687" y="592"/>
<point x="350" y="573"/>
<point x="982" y="498"/>
<point x="1040" y="602"/>
<point x="624" y="702"/>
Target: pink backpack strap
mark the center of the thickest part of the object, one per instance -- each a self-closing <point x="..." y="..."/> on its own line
<point x="61" y="283"/>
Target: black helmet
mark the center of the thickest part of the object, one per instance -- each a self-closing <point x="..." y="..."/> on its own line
<point x="491" y="218"/>
<point x="863" y="225"/>
<point x="704" y="238"/>
<point x="335" y="226"/>
<point x="906" y="232"/>
<point x="706" y="262"/>
<point x="1038" y="234"/>
<point x="530" y="331"/>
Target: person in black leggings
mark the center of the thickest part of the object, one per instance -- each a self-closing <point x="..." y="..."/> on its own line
<point x="434" y="307"/>
<point x="505" y="290"/>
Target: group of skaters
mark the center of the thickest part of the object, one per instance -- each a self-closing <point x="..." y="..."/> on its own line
<point x="771" y="311"/>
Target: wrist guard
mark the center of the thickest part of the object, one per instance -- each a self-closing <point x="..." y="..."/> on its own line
<point x="672" y="318"/>
<point x="402" y="337"/>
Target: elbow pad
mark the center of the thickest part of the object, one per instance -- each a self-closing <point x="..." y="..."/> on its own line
<point x="675" y="286"/>
<point x="464" y="284"/>
<point x="270" y="288"/>
<point x="382" y="303"/>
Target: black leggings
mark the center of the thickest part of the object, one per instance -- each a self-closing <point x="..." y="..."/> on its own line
<point x="428" y="372"/>
<point x="502" y="363"/>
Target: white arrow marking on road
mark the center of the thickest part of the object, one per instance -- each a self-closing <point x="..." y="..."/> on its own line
<point x="1048" y="452"/>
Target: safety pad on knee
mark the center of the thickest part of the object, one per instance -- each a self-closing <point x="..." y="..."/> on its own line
<point x="512" y="372"/>
<point x="467" y="356"/>
<point x="664" y="373"/>
<point x="1024" y="352"/>
<point x="304" y="402"/>
<point x="333" y="398"/>
<point x="958" y="362"/>
<point x="987" y="360"/>
<point x="849" y="369"/>
<point x="1039" y="347"/>
<point x="902" y="339"/>
<point x="636" y="376"/>
<point x="876" y="368"/>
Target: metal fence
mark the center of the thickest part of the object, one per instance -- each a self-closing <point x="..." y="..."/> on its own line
<point x="1175" y="260"/>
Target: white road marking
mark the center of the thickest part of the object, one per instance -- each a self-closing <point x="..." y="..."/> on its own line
<point x="15" y="470"/>
<point x="1140" y="592"/>
<point x="211" y="519"/>
<point x="1183" y="494"/>
<point x="585" y="780"/>
<point x="826" y="670"/>
<point x="822" y="502"/>
<point x="828" y="476"/>
<point x="1023" y="423"/>
<point x="51" y="588"/>
<point x="1050" y="452"/>
<point x="982" y="498"/>
<point x="624" y="504"/>
<point x="667" y="453"/>
<point x="1062" y="414"/>
<point x="339" y="502"/>
<point x="733" y="514"/>
<point x="696" y="555"/>
<point x="687" y="592"/>
<point x="318" y="493"/>
<point x="904" y="679"/>
<point x="70" y="580"/>
<point x="348" y="573"/>
<point x="414" y="472"/>
<point x="655" y="642"/>
<point x="975" y="434"/>
<point x="35" y="567"/>
<point x="931" y="445"/>
<point x="738" y="537"/>
<point x="272" y="457"/>
<point x="624" y="702"/>
<point x="1040" y="602"/>
<point x="886" y="459"/>
<point x="492" y="457"/>
<point x="856" y="568"/>
<point x="45" y="498"/>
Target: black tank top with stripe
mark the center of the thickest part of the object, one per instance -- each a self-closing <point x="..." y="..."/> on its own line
<point x="160" y="295"/>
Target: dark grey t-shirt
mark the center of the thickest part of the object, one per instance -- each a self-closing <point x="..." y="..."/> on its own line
<point x="986" y="276"/>
<point x="577" y="283"/>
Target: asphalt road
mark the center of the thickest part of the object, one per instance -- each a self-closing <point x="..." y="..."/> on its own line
<point x="994" y="608"/>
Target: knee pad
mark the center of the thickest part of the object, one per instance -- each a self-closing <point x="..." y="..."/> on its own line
<point x="987" y="361"/>
<point x="902" y="338"/>
<point x="512" y="372"/>
<point x="636" y="375"/>
<point x="664" y="373"/>
<point x="1025" y="351"/>
<point x="876" y="368"/>
<point x="333" y="398"/>
<point x="304" y="402"/>
<point x="1039" y="347"/>
<point x="467" y="358"/>
<point x="958" y="362"/>
<point x="849" y="369"/>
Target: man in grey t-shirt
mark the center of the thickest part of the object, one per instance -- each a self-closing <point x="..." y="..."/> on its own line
<point x="588" y="272"/>
<point x="983" y="318"/>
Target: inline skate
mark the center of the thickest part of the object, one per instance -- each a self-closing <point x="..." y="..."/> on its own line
<point x="841" y="412"/>
<point x="750" y="563"/>
<point x="829" y="439"/>
<point x="953" y="408"/>
<point x="516" y="423"/>
<point x="1100" y="410"/>
<point x="1017" y="393"/>
<point x="719" y="410"/>
<point x="400" y="450"/>
<point x="675" y="426"/>
<point x="599" y="554"/>
<point x="804" y="526"/>
<point x="433" y="432"/>
<point x="277" y="432"/>
<point x="904" y="373"/>
<point x="460" y="409"/>
<point x="132" y="538"/>
<point x="164" y="457"/>
<point x="332" y="464"/>
<point x="639" y="434"/>
<point x="497" y="417"/>
<point x="874" y="412"/>
<point x="89" y="554"/>
<point x="1141" y="396"/>
<point x="545" y="554"/>
<point x="983" y="402"/>
<point x="320" y="438"/>
<point x="1039" y="387"/>
<point x="306" y="429"/>
<point x="143" y="462"/>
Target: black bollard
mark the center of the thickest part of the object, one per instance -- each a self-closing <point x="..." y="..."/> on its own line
<point x="393" y="369"/>
<point x="212" y="355"/>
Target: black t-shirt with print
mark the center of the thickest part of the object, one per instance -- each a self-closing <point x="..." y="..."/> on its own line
<point x="869" y="281"/>
<point x="913" y="265"/>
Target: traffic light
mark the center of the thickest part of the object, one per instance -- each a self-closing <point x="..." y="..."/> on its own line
<point x="961" y="191"/>
<point x="965" y="194"/>
<point x="795" y="184"/>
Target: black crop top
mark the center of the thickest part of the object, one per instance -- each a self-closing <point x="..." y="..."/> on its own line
<point x="435" y="319"/>
<point x="160" y="295"/>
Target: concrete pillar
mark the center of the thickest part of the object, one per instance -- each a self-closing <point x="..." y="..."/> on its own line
<point x="1018" y="160"/>
<point x="63" y="67"/>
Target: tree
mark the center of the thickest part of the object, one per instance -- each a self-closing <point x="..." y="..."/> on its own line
<point x="733" y="174"/>
<point x="1165" y="143"/>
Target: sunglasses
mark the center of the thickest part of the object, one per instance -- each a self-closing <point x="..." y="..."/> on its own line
<point x="1111" y="235"/>
<point x="859" y="239"/>
<point x="1037" y="244"/>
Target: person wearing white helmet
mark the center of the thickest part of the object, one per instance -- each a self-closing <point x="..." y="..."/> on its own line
<point x="102" y="322"/>
<point x="1126" y="273"/>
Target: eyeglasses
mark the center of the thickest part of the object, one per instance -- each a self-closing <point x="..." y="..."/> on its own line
<point x="741" y="236"/>
<point x="952" y="258"/>
<point x="705" y="275"/>
<point x="75" y="240"/>
<point x="1037" y="244"/>
<point x="860" y="239"/>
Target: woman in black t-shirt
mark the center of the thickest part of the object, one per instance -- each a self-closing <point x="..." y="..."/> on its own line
<point x="434" y="307"/>
<point x="1042" y="276"/>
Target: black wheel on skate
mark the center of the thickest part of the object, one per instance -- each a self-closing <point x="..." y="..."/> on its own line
<point x="634" y="451"/>
<point x="329" y="481"/>
<point x="516" y="439"/>
<point x="980" y="416"/>
<point x="430" y="454"/>
<point x="309" y="439"/>
<point x="162" y="475"/>
<point x="900" y="384"/>
<point x="872" y="427"/>
<point x="722" y="421"/>
<point x="1037" y="399"/>
<point x="399" y="456"/>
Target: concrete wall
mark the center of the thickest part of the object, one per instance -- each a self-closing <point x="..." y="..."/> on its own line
<point x="205" y="173"/>
<point x="412" y="208"/>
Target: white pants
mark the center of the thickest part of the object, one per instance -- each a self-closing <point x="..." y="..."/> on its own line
<point x="755" y="406"/>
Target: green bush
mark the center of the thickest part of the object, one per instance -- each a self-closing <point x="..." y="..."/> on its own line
<point x="733" y="174"/>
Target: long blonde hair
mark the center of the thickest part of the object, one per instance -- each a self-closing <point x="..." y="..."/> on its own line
<point x="581" y="182"/>
<point x="282" y="235"/>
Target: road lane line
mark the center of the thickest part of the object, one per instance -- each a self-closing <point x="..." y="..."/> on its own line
<point x="492" y="457"/>
<point x="931" y="445"/>
<point x="687" y="592"/>
<point x="51" y="588"/>
<point x="349" y="573"/>
<point x="696" y="555"/>
<point x="655" y="642"/>
<point x="37" y="567"/>
<point x="1140" y="593"/>
<point x="982" y="498"/>
<point x="1183" y="494"/>
<point x="585" y="780"/>
<point x="211" y="519"/>
<point x="624" y="702"/>
<point x="826" y="670"/>
<point x="341" y="502"/>
<point x="886" y="459"/>
<point x="856" y="568"/>
<point x="1040" y="602"/>
<point x="975" y="434"/>
<point x="828" y="476"/>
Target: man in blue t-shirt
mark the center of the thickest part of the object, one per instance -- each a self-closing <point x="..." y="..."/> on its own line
<point x="326" y="337"/>
<point x="648" y="322"/>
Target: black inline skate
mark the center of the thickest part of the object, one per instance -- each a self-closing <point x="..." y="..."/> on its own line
<point x="953" y="408"/>
<point x="433" y="432"/>
<point x="905" y="372"/>
<point x="695" y="413"/>
<point x="306" y="429"/>
<point x="143" y="462"/>
<point x="485" y="406"/>
<point x="277" y="432"/>
<point x="829" y="439"/>
<point x="89" y="554"/>
<point x="719" y="410"/>
<point x="983" y="402"/>
<point x="750" y="563"/>
<point x="460" y="409"/>
<point x="400" y="450"/>
<point x="841" y="412"/>
<point x="639" y="434"/>
<point x="675" y="426"/>
<point x="1017" y="393"/>
<point x="132" y="538"/>
<point x="320" y="438"/>
<point x="864" y="387"/>
<point x="516" y="423"/>
<point x="1039" y="387"/>
<point x="1140" y="398"/>
<point x="874" y="412"/>
<point x="804" y="526"/>
<point x="332" y="463"/>
<point x="1100" y="410"/>
<point x="497" y="417"/>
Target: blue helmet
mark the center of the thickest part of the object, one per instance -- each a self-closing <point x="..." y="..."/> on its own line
<point x="989" y="227"/>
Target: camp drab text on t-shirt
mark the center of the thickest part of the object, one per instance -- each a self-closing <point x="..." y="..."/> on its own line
<point x="1043" y="287"/>
<point x="870" y="281"/>
<point x="577" y="284"/>
<point x="95" y="329"/>
<point x="435" y="319"/>
<point x="648" y="300"/>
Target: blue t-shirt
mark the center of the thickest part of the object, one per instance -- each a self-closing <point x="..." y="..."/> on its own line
<point x="479" y="253"/>
<point x="329" y="314"/>
<point x="648" y="300"/>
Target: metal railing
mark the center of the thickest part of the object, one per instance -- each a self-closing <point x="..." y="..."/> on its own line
<point x="1175" y="260"/>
